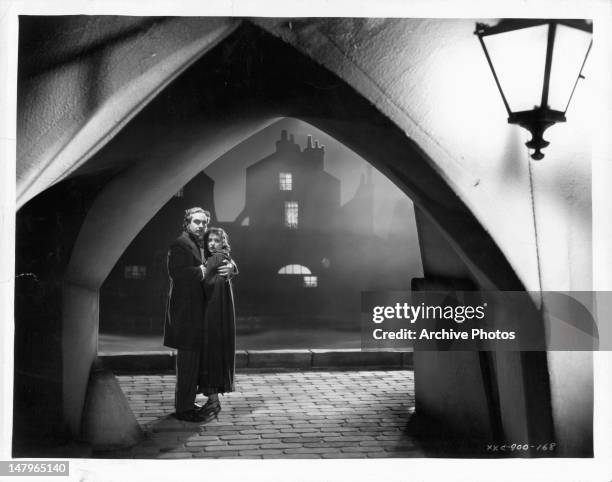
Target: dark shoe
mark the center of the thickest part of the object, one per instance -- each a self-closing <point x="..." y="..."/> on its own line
<point x="189" y="416"/>
<point x="209" y="403"/>
<point x="210" y="411"/>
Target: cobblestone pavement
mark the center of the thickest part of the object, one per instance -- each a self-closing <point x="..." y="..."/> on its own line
<point x="349" y="414"/>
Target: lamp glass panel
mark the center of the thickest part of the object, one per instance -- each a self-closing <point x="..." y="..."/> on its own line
<point x="571" y="46"/>
<point x="518" y="58"/>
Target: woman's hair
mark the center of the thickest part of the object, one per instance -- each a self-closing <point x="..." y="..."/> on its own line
<point x="224" y="240"/>
<point x="190" y="212"/>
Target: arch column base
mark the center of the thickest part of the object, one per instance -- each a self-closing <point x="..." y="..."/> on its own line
<point x="108" y="422"/>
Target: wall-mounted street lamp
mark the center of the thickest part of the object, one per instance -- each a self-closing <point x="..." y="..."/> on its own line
<point x="536" y="64"/>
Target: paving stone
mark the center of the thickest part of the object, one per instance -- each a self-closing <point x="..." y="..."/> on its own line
<point x="261" y="452"/>
<point x="268" y="433"/>
<point x="321" y="434"/>
<point x="204" y="443"/>
<point x="299" y="430"/>
<point x="324" y="444"/>
<point x="342" y="455"/>
<point x="224" y="429"/>
<point x="272" y="436"/>
<point x="237" y="436"/>
<point x="339" y="429"/>
<point x="347" y="439"/>
<point x="301" y="456"/>
<point x="174" y="455"/>
<point x="218" y="448"/>
<point x="271" y="425"/>
<point x="362" y="449"/>
<point x="202" y="437"/>
<point x="243" y="446"/>
<point x="301" y="440"/>
<point x="280" y="445"/>
<point x="216" y="455"/>
<point x="308" y="450"/>
<point x="283" y="415"/>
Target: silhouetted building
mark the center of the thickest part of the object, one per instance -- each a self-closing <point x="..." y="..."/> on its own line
<point x="289" y="189"/>
<point x="303" y="256"/>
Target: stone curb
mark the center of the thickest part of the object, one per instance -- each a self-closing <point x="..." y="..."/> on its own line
<point x="269" y="360"/>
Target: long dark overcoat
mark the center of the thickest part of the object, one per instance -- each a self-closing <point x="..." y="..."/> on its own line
<point x="184" y="324"/>
<point x="217" y="356"/>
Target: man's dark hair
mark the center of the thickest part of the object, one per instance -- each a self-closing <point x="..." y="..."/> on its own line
<point x="189" y="214"/>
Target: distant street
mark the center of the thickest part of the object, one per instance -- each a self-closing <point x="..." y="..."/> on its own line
<point x="260" y="340"/>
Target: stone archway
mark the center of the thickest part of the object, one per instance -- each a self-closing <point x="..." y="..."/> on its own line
<point x="296" y="77"/>
<point x="316" y="96"/>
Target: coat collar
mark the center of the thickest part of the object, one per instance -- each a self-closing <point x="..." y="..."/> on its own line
<point x="192" y="245"/>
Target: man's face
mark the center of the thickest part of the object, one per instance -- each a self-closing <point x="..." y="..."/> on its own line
<point x="198" y="224"/>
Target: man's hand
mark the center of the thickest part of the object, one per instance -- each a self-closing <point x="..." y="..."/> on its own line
<point x="227" y="269"/>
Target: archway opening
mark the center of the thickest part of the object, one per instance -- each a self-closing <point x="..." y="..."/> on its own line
<point x="324" y="226"/>
<point x="281" y="82"/>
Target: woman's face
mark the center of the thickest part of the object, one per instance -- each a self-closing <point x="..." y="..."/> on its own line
<point x="214" y="243"/>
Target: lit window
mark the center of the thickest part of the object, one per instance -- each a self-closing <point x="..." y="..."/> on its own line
<point x="179" y="193"/>
<point x="310" y="281"/>
<point x="294" y="269"/>
<point x="285" y="181"/>
<point x="291" y="214"/>
<point x="135" y="272"/>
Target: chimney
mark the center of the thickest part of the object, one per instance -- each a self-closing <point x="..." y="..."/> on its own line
<point x="286" y="142"/>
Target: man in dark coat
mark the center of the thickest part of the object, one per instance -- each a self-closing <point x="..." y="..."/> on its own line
<point x="184" y="324"/>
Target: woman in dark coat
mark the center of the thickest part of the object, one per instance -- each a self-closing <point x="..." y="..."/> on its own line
<point x="217" y="363"/>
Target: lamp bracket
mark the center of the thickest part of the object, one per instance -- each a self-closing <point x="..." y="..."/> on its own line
<point x="536" y="121"/>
